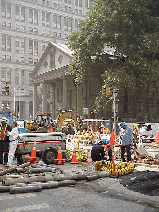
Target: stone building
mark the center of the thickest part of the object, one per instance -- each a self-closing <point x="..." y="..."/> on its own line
<point x="26" y="28"/>
<point x="51" y="71"/>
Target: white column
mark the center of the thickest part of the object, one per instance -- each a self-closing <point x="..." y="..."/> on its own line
<point x="39" y="18"/>
<point x="13" y="15"/>
<point x="26" y="18"/>
<point x="74" y="98"/>
<point x="0" y="83"/>
<point x="51" y="22"/>
<point x="53" y="101"/>
<point x="35" y="101"/>
<point x="13" y="48"/>
<point x="0" y="105"/>
<point x="26" y="82"/>
<point x="26" y="114"/>
<point x="26" y="49"/>
<point x="44" y="109"/>
<point x="16" y="109"/>
<point x="65" y="107"/>
<point x="79" y="100"/>
<point x="12" y="86"/>
<point x="11" y="106"/>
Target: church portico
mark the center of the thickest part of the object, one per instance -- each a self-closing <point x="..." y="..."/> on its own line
<point x="58" y="90"/>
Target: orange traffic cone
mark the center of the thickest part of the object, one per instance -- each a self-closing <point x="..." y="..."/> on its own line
<point x="89" y="158"/>
<point x="51" y="129"/>
<point x="74" y="157"/>
<point x="90" y="165"/>
<point x="33" y="158"/>
<point x="59" y="160"/>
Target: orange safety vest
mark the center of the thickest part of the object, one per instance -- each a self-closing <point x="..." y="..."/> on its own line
<point x="136" y="131"/>
<point x="3" y="131"/>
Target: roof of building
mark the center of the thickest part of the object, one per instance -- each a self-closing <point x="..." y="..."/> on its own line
<point x="63" y="47"/>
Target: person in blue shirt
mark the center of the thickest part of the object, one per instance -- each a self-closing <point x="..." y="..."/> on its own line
<point x="125" y="139"/>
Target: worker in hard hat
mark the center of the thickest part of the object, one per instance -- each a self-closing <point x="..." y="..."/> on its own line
<point x="106" y="141"/>
<point x="98" y="152"/>
<point x="125" y="139"/>
<point x="135" y="133"/>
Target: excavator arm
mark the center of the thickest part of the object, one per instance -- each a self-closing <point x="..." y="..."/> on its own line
<point x="66" y="114"/>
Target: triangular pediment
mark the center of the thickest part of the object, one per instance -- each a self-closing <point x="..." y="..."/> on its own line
<point x="55" y="56"/>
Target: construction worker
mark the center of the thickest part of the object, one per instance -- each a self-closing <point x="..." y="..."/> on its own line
<point x="4" y="140"/>
<point x="97" y="152"/>
<point x="135" y="133"/>
<point x="125" y="139"/>
<point x="106" y="141"/>
<point x="13" y="142"/>
<point x="102" y="128"/>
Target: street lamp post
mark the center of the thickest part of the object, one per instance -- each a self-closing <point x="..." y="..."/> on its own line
<point x="114" y="127"/>
<point x="114" y="108"/>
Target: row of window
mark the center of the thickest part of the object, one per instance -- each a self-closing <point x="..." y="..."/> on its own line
<point x="19" y="80"/>
<point x="79" y="3"/>
<point x="55" y="5"/>
<point x="68" y="25"/>
<point x="19" y="59"/>
<point x="5" y="75"/>
<point x="33" y="14"/>
<point x="6" y="44"/>
<point x="19" y="76"/>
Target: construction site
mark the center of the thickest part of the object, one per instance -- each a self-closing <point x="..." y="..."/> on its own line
<point x="54" y="159"/>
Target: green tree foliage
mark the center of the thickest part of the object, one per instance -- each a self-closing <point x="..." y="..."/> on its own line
<point x="131" y="27"/>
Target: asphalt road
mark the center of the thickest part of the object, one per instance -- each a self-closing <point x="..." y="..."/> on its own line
<point x="104" y="194"/>
<point x="81" y="197"/>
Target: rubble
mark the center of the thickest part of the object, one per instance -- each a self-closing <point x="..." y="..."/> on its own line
<point x="145" y="182"/>
<point x="35" y="177"/>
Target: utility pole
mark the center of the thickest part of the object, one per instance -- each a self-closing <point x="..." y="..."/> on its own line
<point x="114" y="109"/>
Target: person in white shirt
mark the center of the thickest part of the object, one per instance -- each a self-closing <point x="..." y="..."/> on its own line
<point x="13" y="142"/>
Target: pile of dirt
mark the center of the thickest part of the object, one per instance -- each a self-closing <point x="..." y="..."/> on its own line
<point x="145" y="182"/>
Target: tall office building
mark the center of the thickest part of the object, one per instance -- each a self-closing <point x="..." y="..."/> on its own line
<point x="26" y="27"/>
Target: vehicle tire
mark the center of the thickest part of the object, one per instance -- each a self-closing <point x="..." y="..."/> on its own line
<point x="49" y="155"/>
<point x="41" y="130"/>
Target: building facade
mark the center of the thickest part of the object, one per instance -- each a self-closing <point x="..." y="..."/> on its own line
<point x="51" y="72"/>
<point x="26" y="28"/>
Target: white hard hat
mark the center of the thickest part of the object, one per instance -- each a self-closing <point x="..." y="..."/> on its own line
<point x="3" y="119"/>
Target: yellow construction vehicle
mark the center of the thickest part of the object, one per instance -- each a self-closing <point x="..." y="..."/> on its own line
<point x="66" y="119"/>
<point x="41" y="123"/>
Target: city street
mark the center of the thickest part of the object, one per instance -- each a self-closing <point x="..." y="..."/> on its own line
<point x="104" y="194"/>
<point x="77" y="198"/>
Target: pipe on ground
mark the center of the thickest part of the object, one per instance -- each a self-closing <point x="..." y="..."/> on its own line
<point x="4" y="188"/>
<point x="60" y="177"/>
<point x="25" y="189"/>
<point x="47" y="185"/>
<point x="10" y="170"/>
<point x="66" y="182"/>
<point x="7" y="181"/>
<point x="92" y="177"/>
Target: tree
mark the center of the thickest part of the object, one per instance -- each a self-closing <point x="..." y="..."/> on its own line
<point x="131" y="29"/>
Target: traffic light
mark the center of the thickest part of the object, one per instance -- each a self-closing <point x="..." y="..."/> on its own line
<point x="108" y="91"/>
<point x="94" y="111"/>
<point x="7" y="90"/>
<point x="103" y="90"/>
